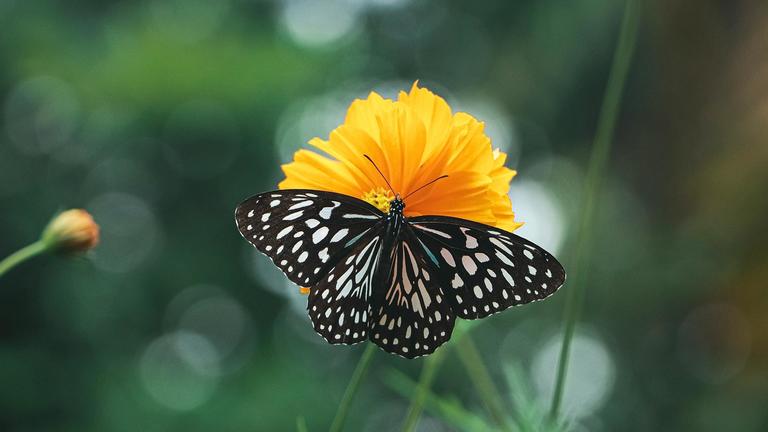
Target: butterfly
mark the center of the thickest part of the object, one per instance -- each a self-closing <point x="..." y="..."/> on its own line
<point x="398" y="281"/>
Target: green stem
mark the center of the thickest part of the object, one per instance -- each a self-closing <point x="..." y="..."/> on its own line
<point x="301" y="424"/>
<point x="428" y="372"/>
<point x="482" y="380"/>
<point x="354" y="384"/>
<point x="22" y="255"/>
<point x="595" y="172"/>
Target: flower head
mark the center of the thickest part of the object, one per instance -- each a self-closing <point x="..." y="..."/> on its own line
<point x="71" y="231"/>
<point x="413" y="140"/>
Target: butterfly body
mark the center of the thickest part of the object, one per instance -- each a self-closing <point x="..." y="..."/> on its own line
<point x="395" y="221"/>
<point x="398" y="281"/>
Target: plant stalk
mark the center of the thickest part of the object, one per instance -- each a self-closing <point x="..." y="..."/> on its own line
<point x="595" y="172"/>
<point x="352" y="387"/>
<point x="482" y="380"/>
<point x="21" y="255"/>
<point x="301" y="424"/>
<point x="428" y="372"/>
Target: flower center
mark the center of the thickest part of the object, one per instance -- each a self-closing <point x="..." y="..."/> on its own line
<point x="379" y="198"/>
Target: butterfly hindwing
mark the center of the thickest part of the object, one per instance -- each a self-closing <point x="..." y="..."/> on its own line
<point x="305" y="232"/>
<point x="484" y="269"/>
<point x="339" y="305"/>
<point x="410" y="315"/>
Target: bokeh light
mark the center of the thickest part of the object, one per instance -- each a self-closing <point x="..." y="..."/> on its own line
<point x="98" y="128"/>
<point x="315" y="24"/>
<point x="121" y="175"/>
<point x="209" y="311"/>
<point x="42" y="113"/>
<point x="309" y="118"/>
<point x="179" y="370"/>
<point x="129" y="231"/>
<point x="498" y="125"/>
<point x="591" y="374"/>
<point x="540" y="211"/>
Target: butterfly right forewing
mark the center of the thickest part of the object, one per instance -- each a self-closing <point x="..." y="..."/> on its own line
<point x="305" y="232"/>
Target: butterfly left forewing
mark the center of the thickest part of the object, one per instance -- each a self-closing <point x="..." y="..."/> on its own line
<point x="485" y="269"/>
<point x="410" y="316"/>
<point x="305" y="232"/>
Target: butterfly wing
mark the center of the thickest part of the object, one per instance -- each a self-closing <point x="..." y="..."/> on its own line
<point x="339" y="305"/>
<point x="484" y="269"/>
<point x="305" y="232"/>
<point x="410" y="316"/>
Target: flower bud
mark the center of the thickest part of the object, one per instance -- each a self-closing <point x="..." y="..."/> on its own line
<point x="71" y="231"/>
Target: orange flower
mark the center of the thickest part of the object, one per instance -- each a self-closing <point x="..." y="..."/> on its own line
<point x="412" y="140"/>
<point x="71" y="231"/>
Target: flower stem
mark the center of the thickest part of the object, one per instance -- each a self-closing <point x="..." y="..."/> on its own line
<point x="354" y="384"/>
<point x="595" y="172"/>
<point x="21" y="255"/>
<point x="482" y="380"/>
<point x="428" y="372"/>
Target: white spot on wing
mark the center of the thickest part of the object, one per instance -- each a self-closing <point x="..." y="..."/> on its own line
<point x="448" y="257"/>
<point x="319" y="235"/>
<point x="325" y="212"/>
<point x="471" y="242"/>
<point x="433" y="231"/>
<point x="284" y="232"/>
<point x="312" y="223"/>
<point x="302" y="204"/>
<point x="359" y="216"/>
<point x="294" y="215"/>
<point x="339" y="235"/>
<point x="323" y="255"/>
<point x="469" y="264"/>
<point x="508" y="277"/>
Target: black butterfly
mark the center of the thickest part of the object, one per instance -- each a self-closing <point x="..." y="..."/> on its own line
<point x="398" y="281"/>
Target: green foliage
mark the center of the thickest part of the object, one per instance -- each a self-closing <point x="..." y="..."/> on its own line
<point x="524" y="412"/>
<point x="159" y="116"/>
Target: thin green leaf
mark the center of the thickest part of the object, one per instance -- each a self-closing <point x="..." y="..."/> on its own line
<point x="449" y="410"/>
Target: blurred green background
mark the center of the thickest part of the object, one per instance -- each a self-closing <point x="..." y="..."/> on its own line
<point x="159" y="116"/>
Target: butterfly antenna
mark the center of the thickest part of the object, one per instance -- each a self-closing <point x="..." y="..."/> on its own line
<point x="391" y="189"/>
<point x="422" y="187"/>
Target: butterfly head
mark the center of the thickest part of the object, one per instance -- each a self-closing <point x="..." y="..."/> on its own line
<point x="396" y="206"/>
